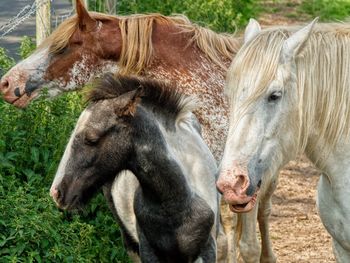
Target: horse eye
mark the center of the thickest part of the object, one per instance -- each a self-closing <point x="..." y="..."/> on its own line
<point x="90" y="140"/>
<point x="62" y="51"/>
<point x="274" y="96"/>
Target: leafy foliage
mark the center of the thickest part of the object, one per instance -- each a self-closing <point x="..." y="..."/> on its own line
<point x="27" y="46"/>
<point x="5" y="61"/>
<point x="219" y="15"/>
<point x="327" y="9"/>
<point x="32" y="229"/>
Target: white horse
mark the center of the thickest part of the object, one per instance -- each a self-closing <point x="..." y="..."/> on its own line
<point x="290" y="93"/>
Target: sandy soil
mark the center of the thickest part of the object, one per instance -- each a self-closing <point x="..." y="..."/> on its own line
<point x="296" y="230"/>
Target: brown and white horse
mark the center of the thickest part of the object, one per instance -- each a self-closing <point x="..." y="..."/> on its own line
<point x="167" y="48"/>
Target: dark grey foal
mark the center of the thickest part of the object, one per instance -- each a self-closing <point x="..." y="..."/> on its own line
<point x="147" y="128"/>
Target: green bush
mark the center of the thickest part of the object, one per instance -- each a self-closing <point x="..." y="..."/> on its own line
<point x="219" y="15"/>
<point x="5" y="61"/>
<point x="27" y="46"/>
<point x="327" y="10"/>
<point x="32" y="229"/>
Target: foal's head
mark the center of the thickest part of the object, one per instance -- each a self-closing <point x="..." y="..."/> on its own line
<point x="121" y="120"/>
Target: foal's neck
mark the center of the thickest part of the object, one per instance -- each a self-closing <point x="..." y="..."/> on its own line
<point x="162" y="181"/>
<point x="161" y="177"/>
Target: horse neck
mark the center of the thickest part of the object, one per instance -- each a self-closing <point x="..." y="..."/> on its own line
<point x="160" y="175"/>
<point x="177" y="58"/>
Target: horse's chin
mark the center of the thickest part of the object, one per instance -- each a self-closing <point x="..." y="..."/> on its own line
<point x="22" y="101"/>
<point x="245" y="207"/>
<point x="74" y="205"/>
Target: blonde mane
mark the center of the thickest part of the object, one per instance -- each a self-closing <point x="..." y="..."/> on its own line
<point x="323" y="81"/>
<point x="137" y="48"/>
<point x="59" y="38"/>
<point x="137" y="45"/>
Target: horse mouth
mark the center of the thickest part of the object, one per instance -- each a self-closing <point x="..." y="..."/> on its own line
<point x="244" y="207"/>
<point x="22" y="100"/>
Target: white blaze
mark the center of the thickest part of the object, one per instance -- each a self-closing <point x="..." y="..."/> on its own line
<point x="84" y="117"/>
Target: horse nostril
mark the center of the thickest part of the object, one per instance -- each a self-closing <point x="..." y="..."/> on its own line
<point x="219" y="190"/>
<point x="4" y="84"/>
<point x="56" y="194"/>
<point x="17" y="92"/>
<point x="259" y="183"/>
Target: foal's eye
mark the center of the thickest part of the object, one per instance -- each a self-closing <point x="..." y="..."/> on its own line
<point x="90" y="140"/>
<point x="274" y="96"/>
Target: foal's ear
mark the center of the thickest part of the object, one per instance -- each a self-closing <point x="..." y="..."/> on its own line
<point x="252" y="30"/>
<point x="296" y="42"/>
<point x="127" y="103"/>
<point x="86" y="22"/>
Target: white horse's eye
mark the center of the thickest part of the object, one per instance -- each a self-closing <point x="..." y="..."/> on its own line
<point x="274" y="96"/>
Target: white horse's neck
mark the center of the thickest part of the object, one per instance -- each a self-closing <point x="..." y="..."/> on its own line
<point x="335" y="164"/>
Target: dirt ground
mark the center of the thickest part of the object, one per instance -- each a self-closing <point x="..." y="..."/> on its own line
<point x="296" y="230"/>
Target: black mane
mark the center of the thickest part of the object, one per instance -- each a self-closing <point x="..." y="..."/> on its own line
<point x="159" y="93"/>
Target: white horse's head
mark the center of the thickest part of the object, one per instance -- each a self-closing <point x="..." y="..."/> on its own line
<point x="264" y="104"/>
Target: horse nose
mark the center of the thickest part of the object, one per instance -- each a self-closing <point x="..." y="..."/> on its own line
<point x="4" y="84"/>
<point x="238" y="184"/>
<point x="219" y="188"/>
<point x="55" y="194"/>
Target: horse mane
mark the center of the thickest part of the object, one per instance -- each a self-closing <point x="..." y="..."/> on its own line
<point x="136" y="31"/>
<point x="164" y="95"/>
<point x="323" y="81"/>
<point x="137" y="40"/>
<point x="59" y="38"/>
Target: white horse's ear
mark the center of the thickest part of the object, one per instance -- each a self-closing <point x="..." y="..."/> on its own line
<point x="252" y="30"/>
<point x="295" y="43"/>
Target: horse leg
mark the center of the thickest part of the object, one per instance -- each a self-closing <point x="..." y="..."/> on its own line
<point x="334" y="209"/>
<point x="121" y="205"/>
<point x="267" y="255"/>
<point x="248" y="243"/>
<point x="147" y="254"/>
<point x="226" y="237"/>
<point x="208" y="253"/>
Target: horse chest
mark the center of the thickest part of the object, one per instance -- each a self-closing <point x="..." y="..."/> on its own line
<point x="178" y="233"/>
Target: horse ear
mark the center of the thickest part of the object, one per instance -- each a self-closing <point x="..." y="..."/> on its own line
<point x="296" y="42"/>
<point x="86" y="22"/>
<point x="252" y="30"/>
<point x="127" y="103"/>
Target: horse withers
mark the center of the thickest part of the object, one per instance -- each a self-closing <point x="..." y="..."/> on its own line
<point x="171" y="211"/>
<point x="290" y="93"/>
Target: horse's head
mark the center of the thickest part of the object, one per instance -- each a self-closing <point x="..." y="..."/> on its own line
<point x="98" y="149"/>
<point x="79" y="49"/>
<point x="264" y="118"/>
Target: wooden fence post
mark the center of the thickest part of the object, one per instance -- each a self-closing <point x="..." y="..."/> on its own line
<point x="86" y="4"/>
<point x="111" y="6"/>
<point x="43" y="20"/>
